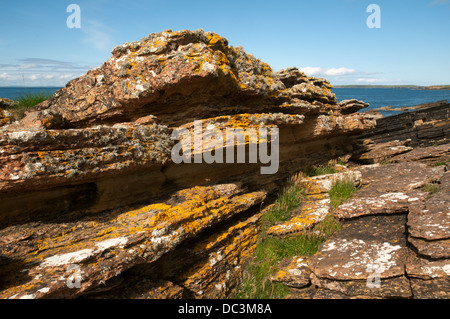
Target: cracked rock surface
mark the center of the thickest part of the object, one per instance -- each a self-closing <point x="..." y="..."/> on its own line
<point x="394" y="241"/>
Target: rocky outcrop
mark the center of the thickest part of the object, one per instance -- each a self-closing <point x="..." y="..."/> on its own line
<point x="6" y="117"/>
<point x="393" y="242"/>
<point x="94" y="206"/>
<point x="427" y="127"/>
<point x="6" y="103"/>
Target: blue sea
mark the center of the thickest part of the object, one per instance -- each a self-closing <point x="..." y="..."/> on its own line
<point x="395" y="97"/>
<point x="376" y="97"/>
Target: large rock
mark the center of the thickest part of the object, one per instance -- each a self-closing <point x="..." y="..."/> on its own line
<point x="178" y="77"/>
<point x="389" y="189"/>
<point x="38" y="257"/>
<point x="88" y="179"/>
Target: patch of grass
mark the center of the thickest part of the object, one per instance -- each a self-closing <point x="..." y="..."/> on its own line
<point x="270" y="251"/>
<point x="431" y="188"/>
<point x="329" y="168"/>
<point x="27" y="101"/>
<point x="317" y="170"/>
<point x="289" y="199"/>
<point x="341" y="191"/>
<point x="386" y="162"/>
<point x="440" y="164"/>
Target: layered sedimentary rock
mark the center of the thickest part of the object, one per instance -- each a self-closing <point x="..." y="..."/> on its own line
<point x="88" y="182"/>
<point x="396" y="135"/>
<point x="393" y="242"/>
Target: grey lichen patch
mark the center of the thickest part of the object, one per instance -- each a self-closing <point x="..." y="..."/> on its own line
<point x="79" y="152"/>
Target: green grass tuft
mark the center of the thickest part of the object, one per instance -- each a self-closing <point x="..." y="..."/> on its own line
<point x="439" y="164"/>
<point x="341" y="191"/>
<point x="27" y="101"/>
<point x="431" y="188"/>
<point x="290" y="198"/>
<point x="271" y="250"/>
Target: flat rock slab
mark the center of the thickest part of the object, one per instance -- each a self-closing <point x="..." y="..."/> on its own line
<point x="431" y="248"/>
<point x="369" y="245"/>
<point x="295" y="274"/>
<point x="389" y="189"/>
<point x="433" y="154"/>
<point x="429" y="278"/>
<point x="431" y="221"/>
<point x="397" y="287"/>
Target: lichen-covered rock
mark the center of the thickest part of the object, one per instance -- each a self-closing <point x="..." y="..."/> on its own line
<point x="102" y="248"/>
<point x="5" y="117"/>
<point x="389" y="189"/>
<point x="295" y="274"/>
<point x="87" y="178"/>
<point x="323" y="183"/>
<point x="351" y="106"/>
<point x="42" y="158"/>
<point x="178" y="77"/>
<point x="6" y="103"/>
<point x="367" y="241"/>
<point x="313" y="210"/>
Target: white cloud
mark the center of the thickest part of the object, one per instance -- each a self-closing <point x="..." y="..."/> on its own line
<point x="339" y="71"/>
<point x="40" y="72"/>
<point x="311" y="70"/>
<point x="318" y="71"/>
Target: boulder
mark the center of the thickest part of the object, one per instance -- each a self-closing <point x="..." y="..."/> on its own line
<point x="88" y="182"/>
<point x="178" y="77"/>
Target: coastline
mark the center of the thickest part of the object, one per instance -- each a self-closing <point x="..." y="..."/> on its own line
<point x="416" y="87"/>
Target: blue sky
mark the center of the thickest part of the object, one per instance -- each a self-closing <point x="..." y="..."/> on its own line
<point x="325" y="38"/>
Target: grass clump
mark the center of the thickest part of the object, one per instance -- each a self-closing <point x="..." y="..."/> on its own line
<point x="329" y="168"/>
<point x="290" y="198"/>
<point x="439" y="164"/>
<point x="341" y="191"/>
<point x="432" y="188"/>
<point x="270" y="251"/>
<point x="27" y="101"/>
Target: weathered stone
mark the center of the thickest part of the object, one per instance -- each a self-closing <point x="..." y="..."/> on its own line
<point x="313" y="210"/>
<point x="219" y="274"/>
<point x="426" y="269"/>
<point x="384" y="151"/>
<point x="295" y="274"/>
<point x="431" y="248"/>
<point x="431" y="289"/>
<point x="430" y="155"/>
<point x="6" y="103"/>
<point x="374" y="240"/>
<point x="431" y="220"/>
<point x="87" y="180"/>
<point x="178" y="77"/>
<point x="103" y="248"/>
<point x="429" y="278"/>
<point x="427" y="127"/>
<point x="5" y="117"/>
<point x="323" y="183"/>
<point x="44" y="158"/>
<point x="209" y="267"/>
<point x="396" y="287"/>
<point x="351" y="106"/>
<point x="389" y="189"/>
